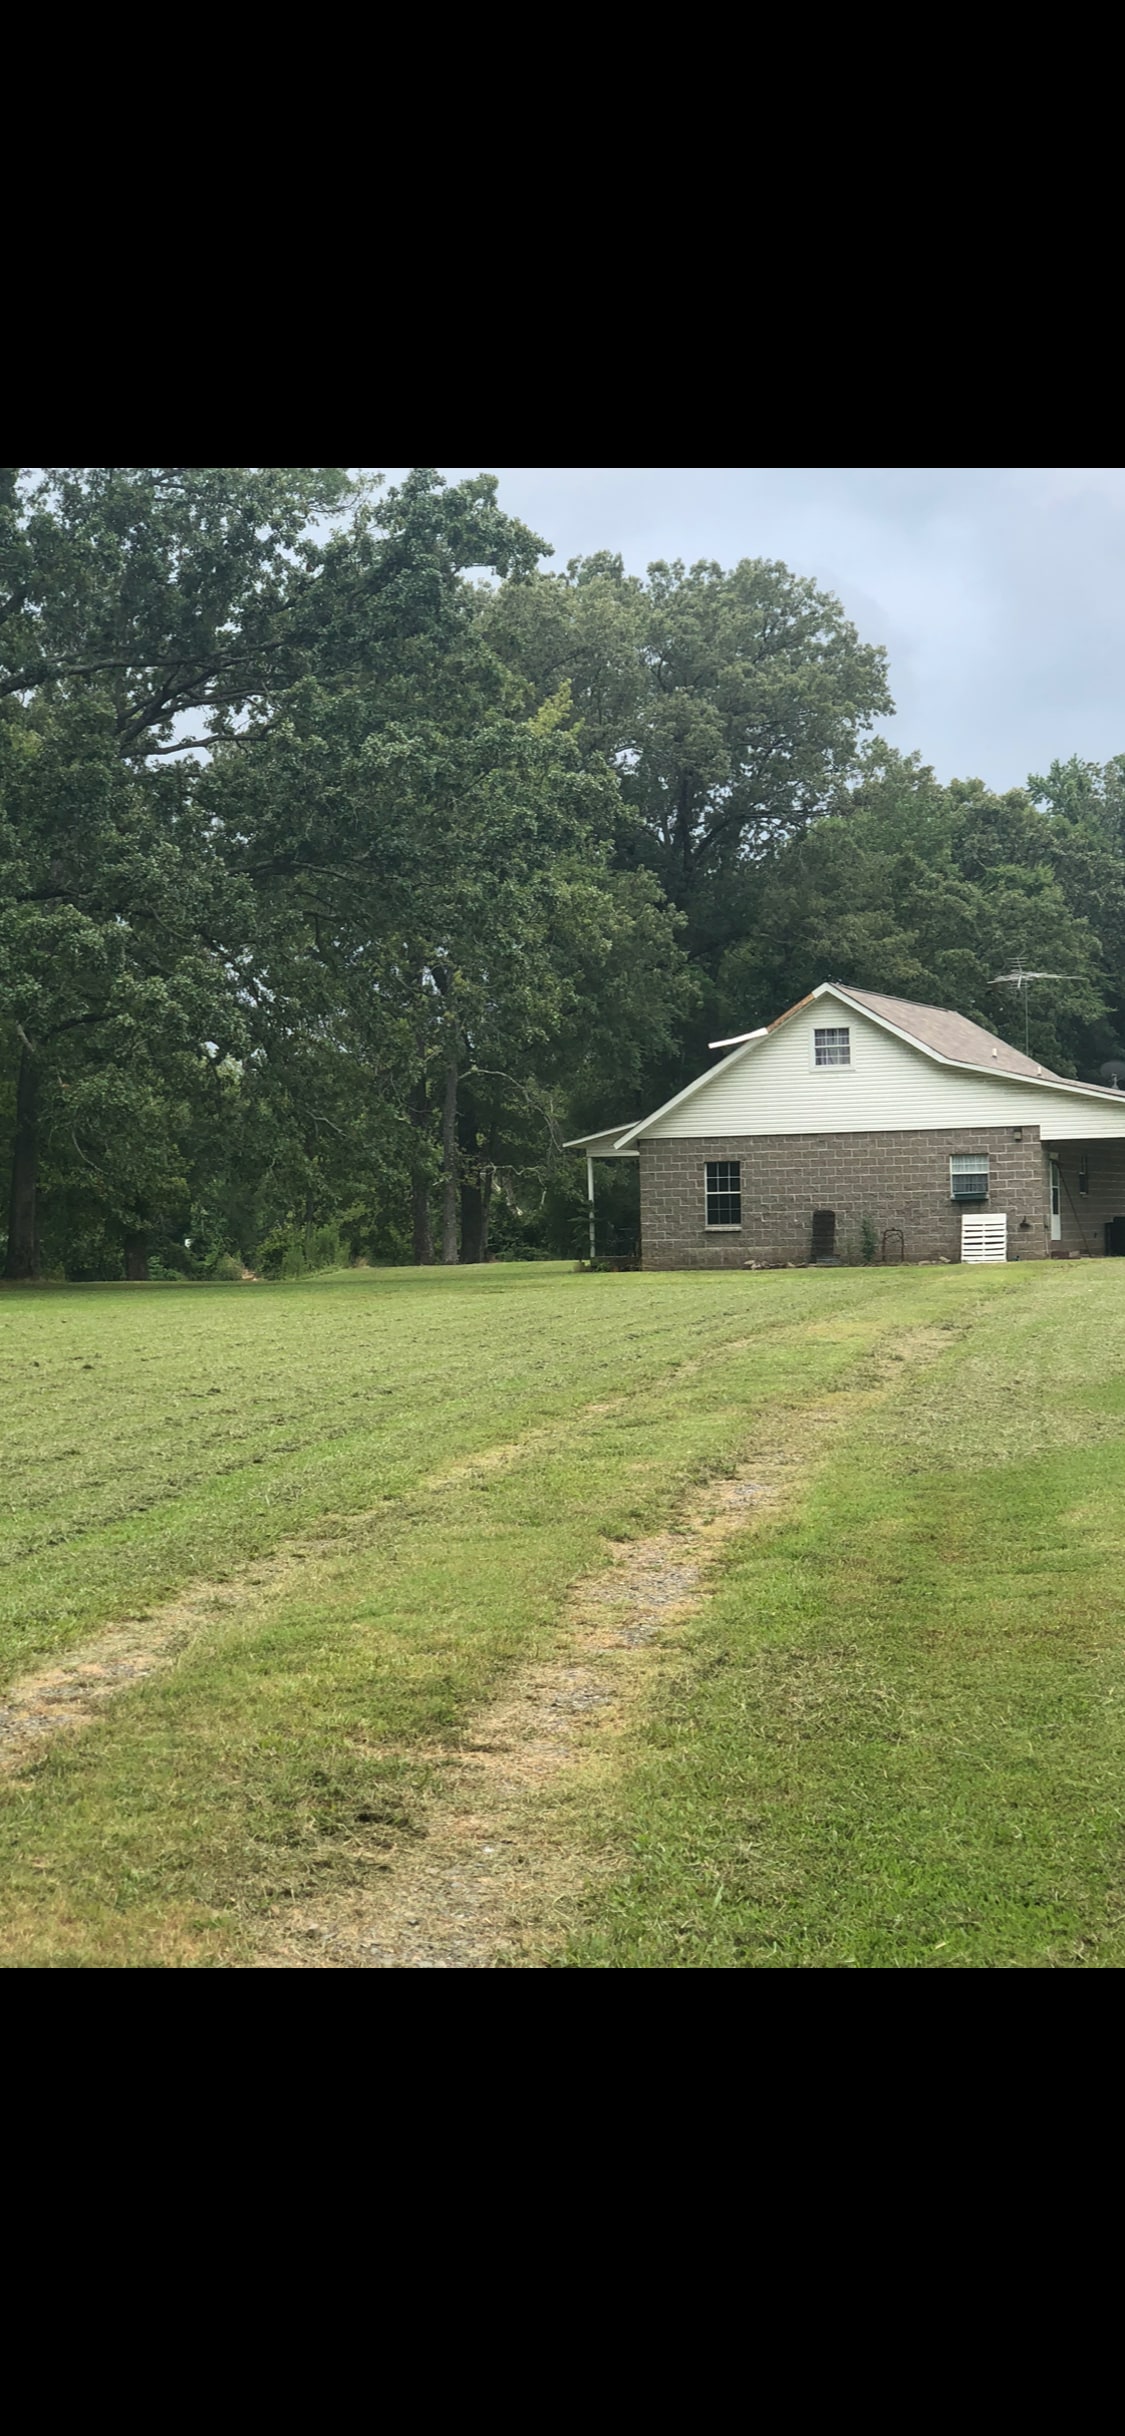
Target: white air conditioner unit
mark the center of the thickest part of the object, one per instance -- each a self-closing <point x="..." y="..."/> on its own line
<point x="984" y="1235"/>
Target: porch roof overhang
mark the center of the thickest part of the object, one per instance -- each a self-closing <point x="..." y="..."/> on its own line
<point x="603" y="1145"/>
<point x="1057" y="1139"/>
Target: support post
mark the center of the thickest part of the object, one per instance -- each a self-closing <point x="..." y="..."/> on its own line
<point x="590" y="1199"/>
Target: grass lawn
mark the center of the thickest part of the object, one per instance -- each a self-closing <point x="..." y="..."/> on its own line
<point x="893" y="1734"/>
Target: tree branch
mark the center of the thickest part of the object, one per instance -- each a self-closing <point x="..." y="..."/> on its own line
<point x="73" y="1021"/>
<point x="535" y="1102"/>
<point x="41" y="672"/>
<point x="191" y="744"/>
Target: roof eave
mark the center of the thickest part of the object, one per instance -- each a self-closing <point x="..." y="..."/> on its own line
<point x="960" y="1065"/>
<point x="752" y="1042"/>
<point x="605" y="1133"/>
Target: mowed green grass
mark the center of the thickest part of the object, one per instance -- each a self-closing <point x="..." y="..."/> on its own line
<point x="892" y="1736"/>
<point x="155" y="1435"/>
<point x="897" y="1734"/>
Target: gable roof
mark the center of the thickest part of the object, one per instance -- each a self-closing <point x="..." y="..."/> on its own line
<point x="954" y="1037"/>
<point x="948" y="1038"/>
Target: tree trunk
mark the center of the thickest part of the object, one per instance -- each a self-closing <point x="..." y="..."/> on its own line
<point x="449" y="1159"/>
<point x="487" y="1179"/>
<point x="23" y="1233"/>
<point x="136" y="1257"/>
<point x="476" y="1202"/>
<point x="420" y="1182"/>
<point x="472" y="1199"/>
<point x="423" y="1232"/>
<point x="472" y="1222"/>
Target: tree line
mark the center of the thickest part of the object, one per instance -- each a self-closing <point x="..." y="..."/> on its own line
<point x="351" y="858"/>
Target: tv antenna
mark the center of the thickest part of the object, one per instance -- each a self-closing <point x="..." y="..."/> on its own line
<point x="1021" y="980"/>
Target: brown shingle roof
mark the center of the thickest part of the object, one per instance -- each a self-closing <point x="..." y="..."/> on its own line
<point x="953" y="1036"/>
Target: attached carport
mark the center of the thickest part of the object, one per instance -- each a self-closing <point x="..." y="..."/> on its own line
<point x="599" y="1146"/>
<point x="1086" y="1196"/>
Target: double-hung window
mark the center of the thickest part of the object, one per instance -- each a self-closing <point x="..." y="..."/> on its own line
<point x="968" y="1176"/>
<point x="724" y="1192"/>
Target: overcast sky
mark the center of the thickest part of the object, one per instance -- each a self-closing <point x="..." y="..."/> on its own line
<point x="998" y="592"/>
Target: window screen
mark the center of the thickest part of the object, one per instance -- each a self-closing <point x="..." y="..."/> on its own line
<point x="968" y="1175"/>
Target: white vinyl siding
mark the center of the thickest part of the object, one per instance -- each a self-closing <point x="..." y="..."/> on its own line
<point x="772" y="1087"/>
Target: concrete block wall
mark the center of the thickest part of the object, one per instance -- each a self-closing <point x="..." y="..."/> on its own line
<point x="893" y="1179"/>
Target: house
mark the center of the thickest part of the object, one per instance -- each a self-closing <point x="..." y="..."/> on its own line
<point x="856" y="1120"/>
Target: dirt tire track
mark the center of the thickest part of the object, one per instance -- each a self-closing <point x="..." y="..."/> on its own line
<point x="68" y="1695"/>
<point x="486" y="1884"/>
<point x="493" y="1880"/>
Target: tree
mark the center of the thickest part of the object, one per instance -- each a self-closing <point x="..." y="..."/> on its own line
<point x="758" y="691"/>
<point x="924" y="892"/>
<point x="428" y="852"/>
<point x="129" y="597"/>
<point x="584" y="631"/>
<point x="730" y="704"/>
<point x="730" y="700"/>
<point x="1082" y="811"/>
<point x="113" y="967"/>
<point x="164" y="590"/>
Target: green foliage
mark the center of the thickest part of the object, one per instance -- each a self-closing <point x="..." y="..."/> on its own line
<point x="730" y="700"/>
<point x="924" y="892"/>
<point x="134" y="597"/>
<point x="457" y="869"/>
<point x="293" y="1251"/>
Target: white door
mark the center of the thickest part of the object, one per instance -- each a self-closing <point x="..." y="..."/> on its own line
<point x="1056" y="1203"/>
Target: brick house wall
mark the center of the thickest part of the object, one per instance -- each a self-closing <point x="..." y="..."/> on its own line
<point x="892" y="1179"/>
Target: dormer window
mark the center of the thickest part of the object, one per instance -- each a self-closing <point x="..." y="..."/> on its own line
<point x="833" y="1046"/>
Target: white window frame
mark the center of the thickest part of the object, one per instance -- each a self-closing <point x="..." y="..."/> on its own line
<point x="968" y="1163"/>
<point x="721" y="1226"/>
<point x="840" y="1032"/>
